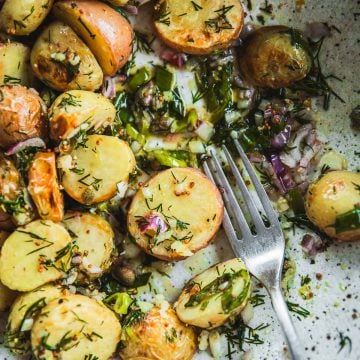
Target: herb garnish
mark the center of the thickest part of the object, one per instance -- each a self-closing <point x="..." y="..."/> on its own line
<point x="344" y="341"/>
<point x="296" y="308"/>
<point x="69" y="100"/>
<point x="196" y="6"/>
<point x="221" y="22"/>
<point x="11" y="80"/>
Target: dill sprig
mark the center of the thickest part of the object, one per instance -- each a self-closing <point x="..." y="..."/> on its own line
<point x="142" y="43"/>
<point x="344" y="341"/>
<point x="296" y="308"/>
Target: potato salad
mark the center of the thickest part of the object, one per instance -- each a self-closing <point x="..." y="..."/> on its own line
<point x="104" y="129"/>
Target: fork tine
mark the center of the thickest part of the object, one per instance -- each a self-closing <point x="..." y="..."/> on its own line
<point x="269" y="211"/>
<point x="230" y="199"/>
<point x="254" y="212"/>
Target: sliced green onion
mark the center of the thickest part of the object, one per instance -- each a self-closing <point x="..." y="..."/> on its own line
<point x="141" y="77"/>
<point x="119" y="302"/>
<point x="192" y="117"/>
<point x="164" y="79"/>
<point x="167" y="158"/>
<point x="296" y="201"/>
<point x="348" y="221"/>
<point x="135" y="135"/>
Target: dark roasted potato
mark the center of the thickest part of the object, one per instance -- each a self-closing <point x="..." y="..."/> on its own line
<point x="274" y="57"/>
<point x="22" y="115"/>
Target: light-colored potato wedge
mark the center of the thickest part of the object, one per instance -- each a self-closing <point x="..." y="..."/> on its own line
<point x="175" y="214"/>
<point x="62" y="61"/>
<point x="44" y="187"/>
<point x="210" y="298"/>
<point x="34" y="255"/>
<point x="160" y="335"/>
<point x="23" y="312"/>
<point x="108" y="34"/>
<point x="98" y="165"/>
<point x="94" y="241"/>
<point x="23" y="17"/>
<point x="88" y="327"/>
<point x="15" y="64"/>
<point x="118" y="2"/>
<point x="200" y="27"/>
<point x="79" y="109"/>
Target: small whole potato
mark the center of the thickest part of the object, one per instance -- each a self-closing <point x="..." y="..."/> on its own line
<point x="329" y="201"/>
<point x="160" y="335"/>
<point x="274" y="57"/>
<point x="22" y="115"/>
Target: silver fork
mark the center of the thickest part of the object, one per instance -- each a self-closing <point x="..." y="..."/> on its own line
<point x="263" y="252"/>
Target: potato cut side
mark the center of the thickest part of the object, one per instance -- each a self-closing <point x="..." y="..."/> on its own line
<point x="15" y="64"/>
<point x="62" y="61"/>
<point x="175" y="214"/>
<point x="96" y="168"/>
<point x="160" y="335"/>
<point x="79" y="109"/>
<point x="198" y="27"/>
<point x="84" y="325"/>
<point x="94" y="240"/>
<point x="108" y="34"/>
<point x="23" y="312"/>
<point x="34" y="255"/>
<point x="210" y="298"/>
<point x="23" y="17"/>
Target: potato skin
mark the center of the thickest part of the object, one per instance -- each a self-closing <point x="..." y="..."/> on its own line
<point x="22" y="115"/>
<point x="23" y="17"/>
<point x="335" y="193"/>
<point x="108" y="34"/>
<point x="270" y="59"/>
<point x="62" y="61"/>
<point x="161" y="335"/>
<point x="201" y="31"/>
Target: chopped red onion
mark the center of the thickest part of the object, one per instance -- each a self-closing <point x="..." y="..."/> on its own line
<point x="285" y="179"/>
<point x="153" y="224"/>
<point x="173" y="57"/>
<point x="108" y="89"/>
<point x="312" y="244"/>
<point x="282" y="138"/>
<point x="22" y="145"/>
<point x="131" y="9"/>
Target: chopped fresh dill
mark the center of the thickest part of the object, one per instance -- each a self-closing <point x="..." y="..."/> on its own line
<point x="296" y="308"/>
<point x="344" y="341"/>
<point x="196" y="6"/>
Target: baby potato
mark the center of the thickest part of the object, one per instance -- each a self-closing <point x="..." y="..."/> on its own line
<point x="83" y="325"/>
<point x="200" y="27"/>
<point x="108" y="34"/>
<point x="44" y="187"/>
<point x="22" y="115"/>
<point x="23" y="312"/>
<point x="94" y="241"/>
<point x="274" y="57"/>
<point x="19" y="17"/>
<point x="333" y="205"/>
<point x="160" y="335"/>
<point x="97" y="166"/>
<point x="34" y="255"/>
<point x="62" y="61"/>
<point x="213" y="296"/>
<point x="175" y="214"/>
<point x="15" y="64"/>
<point x="77" y="109"/>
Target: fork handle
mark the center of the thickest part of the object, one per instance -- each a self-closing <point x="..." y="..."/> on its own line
<point x="286" y="323"/>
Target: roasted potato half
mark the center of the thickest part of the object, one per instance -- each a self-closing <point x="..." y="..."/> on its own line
<point x="275" y="57"/>
<point x="160" y="335"/>
<point x="15" y="64"/>
<point x="333" y="204"/>
<point x="79" y="109"/>
<point x="23" y="17"/>
<point x="85" y="325"/>
<point x="22" y="115"/>
<point x="91" y="172"/>
<point x="34" y="255"/>
<point x="209" y="299"/>
<point x="200" y="27"/>
<point x="62" y="61"/>
<point x="94" y="242"/>
<point x="175" y="214"/>
<point x="44" y="187"/>
<point x="23" y="312"/>
<point x="108" y="34"/>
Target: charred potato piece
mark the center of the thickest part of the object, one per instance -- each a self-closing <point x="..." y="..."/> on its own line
<point x="200" y="27"/>
<point x="22" y="115"/>
<point x="160" y="335"/>
<point x="108" y="34"/>
<point x="275" y="57"/>
<point x="79" y="109"/>
<point x="44" y="187"/>
<point x="333" y="205"/>
<point x="62" y="61"/>
<point x="175" y="214"/>
<point x="15" y="64"/>
<point x="23" y="17"/>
